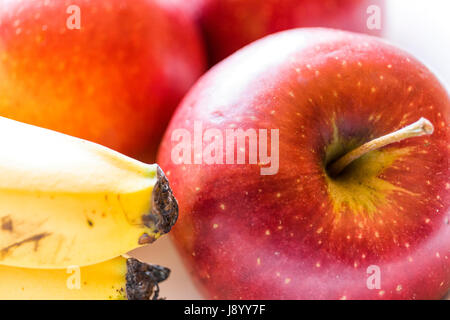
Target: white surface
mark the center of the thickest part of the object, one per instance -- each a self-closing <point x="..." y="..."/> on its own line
<point x="422" y="27"/>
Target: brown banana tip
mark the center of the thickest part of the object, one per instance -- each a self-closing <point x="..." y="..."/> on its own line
<point x="164" y="211"/>
<point x="142" y="280"/>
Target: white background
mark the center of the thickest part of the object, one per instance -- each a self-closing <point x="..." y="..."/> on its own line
<point x="422" y="27"/>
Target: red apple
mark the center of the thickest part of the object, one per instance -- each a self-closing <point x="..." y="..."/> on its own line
<point x="378" y="230"/>
<point x="228" y="25"/>
<point x="115" y="81"/>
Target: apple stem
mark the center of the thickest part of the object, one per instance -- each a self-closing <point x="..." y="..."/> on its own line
<point x="419" y="128"/>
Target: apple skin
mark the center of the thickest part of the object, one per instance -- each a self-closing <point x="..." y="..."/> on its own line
<point x="116" y="81"/>
<point x="228" y="25"/>
<point x="292" y="235"/>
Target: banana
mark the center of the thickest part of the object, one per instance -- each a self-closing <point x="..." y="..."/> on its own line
<point x="119" y="278"/>
<point x="66" y="201"/>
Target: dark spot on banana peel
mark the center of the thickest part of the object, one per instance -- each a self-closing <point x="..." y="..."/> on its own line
<point x="90" y="223"/>
<point x="36" y="238"/>
<point x="145" y="238"/>
<point x="142" y="280"/>
<point x="7" y="224"/>
<point x="164" y="211"/>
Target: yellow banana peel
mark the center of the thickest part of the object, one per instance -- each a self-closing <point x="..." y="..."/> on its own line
<point x="119" y="278"/>
<point x="66" y="201"/>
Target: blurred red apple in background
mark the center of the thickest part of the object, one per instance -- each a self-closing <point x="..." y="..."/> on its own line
<point x="228" y="25"/>
<point x="115" y="81"/>
<point x="300" y="233"/>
